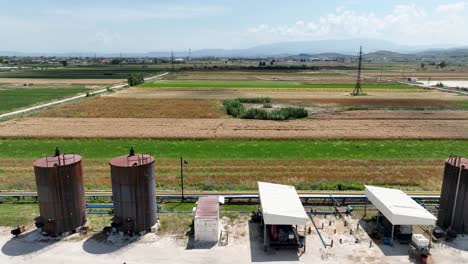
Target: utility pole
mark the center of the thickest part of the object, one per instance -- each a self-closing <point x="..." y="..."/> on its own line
<point x="172" y="60"/>
<point x="182" y="163"/>
<point x="358" y="89"/>
<point x="190" y="54"/>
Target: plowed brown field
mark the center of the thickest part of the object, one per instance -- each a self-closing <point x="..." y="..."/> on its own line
<point x="169" y="128"/>
<point x="107" y="107"/>
<point x="396" y="115"/>
<point x="312" y="94"/>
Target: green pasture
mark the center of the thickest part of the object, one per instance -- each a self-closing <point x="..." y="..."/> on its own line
<point x="11" y="99"/>
<point x="238" y="149"/>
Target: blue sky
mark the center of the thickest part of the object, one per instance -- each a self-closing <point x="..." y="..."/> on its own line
<point x="140" y="26"/>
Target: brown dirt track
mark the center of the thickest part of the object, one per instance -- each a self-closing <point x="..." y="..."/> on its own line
<point x="168" y="128"/>
<point x="107" y="107"/>
<point x="243" y="174"/>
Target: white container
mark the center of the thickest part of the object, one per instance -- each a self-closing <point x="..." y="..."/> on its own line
<point x="420" y="241"/>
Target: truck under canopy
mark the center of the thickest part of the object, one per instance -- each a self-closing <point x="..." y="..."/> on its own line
<point x="281" y="205"/>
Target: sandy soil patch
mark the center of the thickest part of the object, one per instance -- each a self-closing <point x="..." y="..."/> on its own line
<point x="118" y="107"/>
<point x="60" y="81"/>
<point x="232" y="128"/>
<point x="417" y="74"/>
<point x="447" y="83"/>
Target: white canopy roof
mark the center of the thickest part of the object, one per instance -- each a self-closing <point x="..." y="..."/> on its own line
<point x="281" y="204"/>
<point x="398" y="207"/>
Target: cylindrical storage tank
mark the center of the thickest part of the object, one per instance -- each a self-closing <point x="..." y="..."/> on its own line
<point x="60" y="192"/>
<point x="133" y="193"/>
<point x="454" y="196"/>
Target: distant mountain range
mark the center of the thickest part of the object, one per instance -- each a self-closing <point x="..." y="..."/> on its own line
<point x="374" y="49"/>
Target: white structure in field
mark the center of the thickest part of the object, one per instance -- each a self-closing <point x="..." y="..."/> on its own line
<point x="280" y="205"/>
<point x="207" y="223"/>
<point x="398" y="207"/>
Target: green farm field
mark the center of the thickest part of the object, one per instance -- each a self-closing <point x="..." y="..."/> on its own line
<point x="103" y="72"/>
<point x="12" y="99"/>
<point x="239" y="149"/>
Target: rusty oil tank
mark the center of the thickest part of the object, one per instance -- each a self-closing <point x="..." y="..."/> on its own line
<point x="454" y="196"/>
<point x="60" y="192"/>
<point x="133" y="192"/>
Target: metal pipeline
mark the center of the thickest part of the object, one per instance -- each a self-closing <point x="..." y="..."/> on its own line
<point x="316" y="229"/>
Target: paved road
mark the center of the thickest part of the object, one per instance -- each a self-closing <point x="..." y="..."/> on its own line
<point x="69" y="99"/>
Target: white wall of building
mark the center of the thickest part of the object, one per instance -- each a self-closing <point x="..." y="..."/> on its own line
<point x="207" y="230"/>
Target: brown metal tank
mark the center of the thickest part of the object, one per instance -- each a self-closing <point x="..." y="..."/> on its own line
<point x="454" y="197"/>
<point x="60" y="192"/>
<point x="133" y="192"/>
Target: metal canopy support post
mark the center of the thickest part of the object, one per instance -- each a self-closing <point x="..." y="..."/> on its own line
<point x="264" y="236"/>
<point x="365" y="209"/>
<point x="391" y="238"/>
<point x="430" y="237"/>
<point x="305" y="237"/>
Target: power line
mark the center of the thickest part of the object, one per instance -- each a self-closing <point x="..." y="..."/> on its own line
<point x="358" y="89"/>
<point x="172" y="60"/>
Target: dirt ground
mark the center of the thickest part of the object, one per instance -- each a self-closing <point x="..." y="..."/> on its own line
<point x="312" y="94"/>
<point x="108" y="107"/>
<point x="60" y="81"/>
<point x="395" y="115"/>
<point x="169" y="128"/>
<point x="244" y="246"/>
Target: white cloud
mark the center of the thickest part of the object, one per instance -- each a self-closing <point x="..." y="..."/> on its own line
<point x="136" y="14"/>
<point x="407" y="24"/>
<point x="452" y="7"/>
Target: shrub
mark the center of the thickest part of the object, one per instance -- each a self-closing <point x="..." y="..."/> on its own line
<point x="259" y="100"/>
<point x="135" y="79"/>
<point x="255" y="113"/>
<point x="234" y="107"/>
<point x="289" y="113"/>
<point x="267" y="105"/>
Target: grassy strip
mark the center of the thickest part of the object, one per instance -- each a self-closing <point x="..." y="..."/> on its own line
<point x="236" y="84"/>
<point x="18" y="214"/>
<point x="12" y="99"/>
<point x="238" y="149"/>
